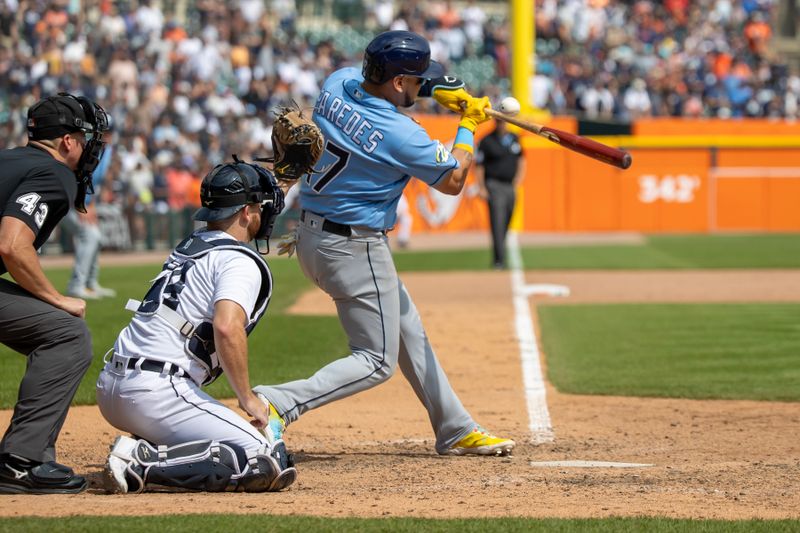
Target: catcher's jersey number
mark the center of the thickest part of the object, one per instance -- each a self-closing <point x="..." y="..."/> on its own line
<point x="342" y="157"/>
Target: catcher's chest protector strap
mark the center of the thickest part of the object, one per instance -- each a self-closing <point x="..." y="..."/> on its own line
<point x="164" y="295"/>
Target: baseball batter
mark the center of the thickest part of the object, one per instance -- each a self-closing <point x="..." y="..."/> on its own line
<point x="371" y="152"/>
<point x="190" y="327"/>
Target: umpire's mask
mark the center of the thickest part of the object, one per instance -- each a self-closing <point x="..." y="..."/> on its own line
<point x="54" y="116"/>
<point x="231" y="186"/>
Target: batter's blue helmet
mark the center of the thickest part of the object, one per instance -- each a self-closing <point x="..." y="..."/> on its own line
<point x="393" y="53"/>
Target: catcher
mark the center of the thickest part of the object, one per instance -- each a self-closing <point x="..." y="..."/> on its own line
<point x="190" y="327"/>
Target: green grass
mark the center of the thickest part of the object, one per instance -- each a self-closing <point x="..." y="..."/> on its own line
<point x="282" y="347"/>
<point x="658" y="251"/>
<point x="735" y="351"/>
<point x="722" y="351"/>
<point x="209" y="523"/>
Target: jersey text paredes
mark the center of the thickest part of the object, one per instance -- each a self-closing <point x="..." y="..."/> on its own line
<point x="353" y="125"/>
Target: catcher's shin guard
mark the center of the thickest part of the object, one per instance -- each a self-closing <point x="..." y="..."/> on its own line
<point x="200" y="465"/>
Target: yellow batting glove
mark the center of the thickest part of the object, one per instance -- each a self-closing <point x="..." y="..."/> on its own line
<point x="473" y="113"/>
<point x="452" y="99"/>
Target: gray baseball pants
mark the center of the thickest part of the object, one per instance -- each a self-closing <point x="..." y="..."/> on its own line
<point x="383" y="328"/>
<point x="59" y="350"/>
<point x="86" y="238"/>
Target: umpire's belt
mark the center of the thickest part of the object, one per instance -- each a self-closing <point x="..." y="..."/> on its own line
<point x="327" y="225"/>
<point x="154" y="366"/>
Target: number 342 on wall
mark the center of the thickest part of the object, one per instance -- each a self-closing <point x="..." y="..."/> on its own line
<point x="679" y="189"/>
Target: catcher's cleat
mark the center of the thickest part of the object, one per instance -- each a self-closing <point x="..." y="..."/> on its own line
<point x="481" y="442"/>
<point x="121" y="473"/>
<point x="284" y="479"/>
<point x="276" y="426"/>
<point x="285" y="462"/>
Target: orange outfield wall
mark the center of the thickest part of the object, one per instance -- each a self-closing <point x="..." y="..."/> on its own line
<point x="678" y="189"/>
<point x="757" y="189"/>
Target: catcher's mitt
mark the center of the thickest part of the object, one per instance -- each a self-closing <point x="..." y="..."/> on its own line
<point x="297" y="144"/>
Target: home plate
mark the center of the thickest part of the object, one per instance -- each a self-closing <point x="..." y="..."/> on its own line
<point x="586" y="464"/>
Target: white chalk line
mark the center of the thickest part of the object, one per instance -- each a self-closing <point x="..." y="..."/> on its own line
<point x="587" y="464"/>
<point x="532" y="378"/>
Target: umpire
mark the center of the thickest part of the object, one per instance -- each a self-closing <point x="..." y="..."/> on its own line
<point x="38" y="184"/>
<point x="499" y="170"/>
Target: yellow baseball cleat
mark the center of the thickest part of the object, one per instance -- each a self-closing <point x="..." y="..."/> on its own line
<point x="276" y="426"/>
<point x="481" y="442"/>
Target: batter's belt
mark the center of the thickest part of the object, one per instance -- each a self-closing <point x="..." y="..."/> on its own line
<point x="318" y="222"/>
<point x="327" y="225"/>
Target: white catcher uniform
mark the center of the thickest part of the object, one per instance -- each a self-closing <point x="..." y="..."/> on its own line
<point x="150" y="386"/>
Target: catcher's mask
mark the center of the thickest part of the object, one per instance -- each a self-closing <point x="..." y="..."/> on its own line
<point x="54" y="116"/>
<point x="231" y="186"/>
<point x="398" y="52"/>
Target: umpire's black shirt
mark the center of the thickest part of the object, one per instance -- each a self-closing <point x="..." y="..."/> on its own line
<point x="36" y="189"/>
<point x="499" y="155"/>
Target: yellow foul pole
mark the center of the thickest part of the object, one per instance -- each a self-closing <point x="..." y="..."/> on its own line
<point x="523" y="36"/>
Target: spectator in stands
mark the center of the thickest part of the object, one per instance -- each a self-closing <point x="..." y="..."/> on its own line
<point x="637" y="100"/>
<point x="202" y="85"/>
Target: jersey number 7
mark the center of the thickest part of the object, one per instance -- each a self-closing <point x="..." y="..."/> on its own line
<point x="342" y="157"/>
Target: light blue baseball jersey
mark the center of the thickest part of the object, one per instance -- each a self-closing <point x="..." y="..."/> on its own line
<point x="371" y="152"/>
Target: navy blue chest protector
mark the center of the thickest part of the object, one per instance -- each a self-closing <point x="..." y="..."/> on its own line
<point x="164" y="295"/>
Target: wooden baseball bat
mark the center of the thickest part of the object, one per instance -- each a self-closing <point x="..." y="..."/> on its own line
<point x="582" y="145"/>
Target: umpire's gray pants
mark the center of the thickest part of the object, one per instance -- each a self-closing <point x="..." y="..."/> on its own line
<point x="382" y="325"/>
<point x="501" y="207"/>
<point x="59" y="350"/>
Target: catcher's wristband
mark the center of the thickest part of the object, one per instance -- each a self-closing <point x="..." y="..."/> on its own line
<point x="465" y="140"/>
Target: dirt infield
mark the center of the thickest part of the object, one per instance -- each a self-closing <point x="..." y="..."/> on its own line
<point x="372" y="455"/>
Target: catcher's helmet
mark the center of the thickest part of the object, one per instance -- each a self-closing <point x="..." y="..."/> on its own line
<point x="393" y="53"/>
<point x="231" y="186"/>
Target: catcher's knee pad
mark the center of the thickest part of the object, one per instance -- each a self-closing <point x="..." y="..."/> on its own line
<point x="271" y="469"/>
<point x="199" y="465"/>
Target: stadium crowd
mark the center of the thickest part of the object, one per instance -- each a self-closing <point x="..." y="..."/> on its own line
<point x="623" y="60"/>
<point x="184" y="92"/>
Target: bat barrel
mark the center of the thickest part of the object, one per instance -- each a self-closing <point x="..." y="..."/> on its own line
<point x="583" y="145"/>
